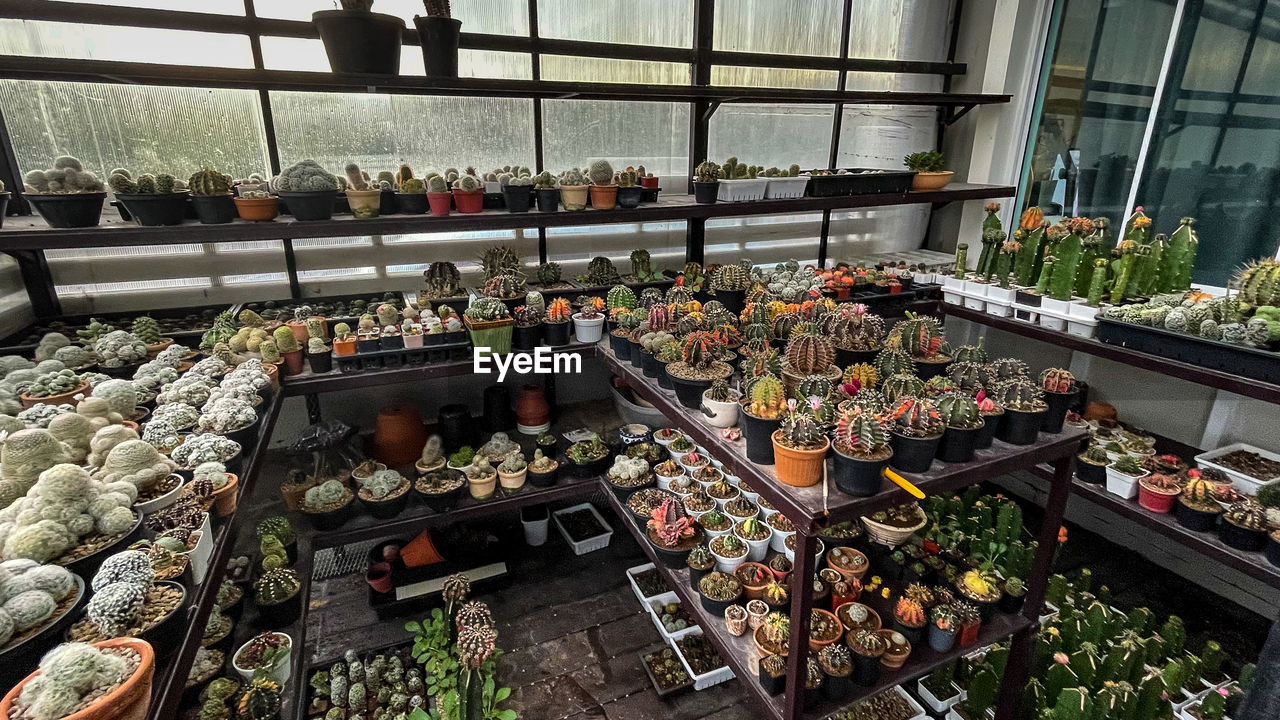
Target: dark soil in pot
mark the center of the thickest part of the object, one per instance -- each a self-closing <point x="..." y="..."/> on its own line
<point x="214" y="209"/>
<point x="387" y="508"/>
<point x="1020" y="427"/>
<point x="911" y="454"/>
<point x="332" y="519"/>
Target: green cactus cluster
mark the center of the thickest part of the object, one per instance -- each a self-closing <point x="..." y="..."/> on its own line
<point x="123" y="183"/>
<point x="209" y="182"/>
<point x="600" y="272"/>
<point x="67" y="176"/>
<point x="734" y="170"/>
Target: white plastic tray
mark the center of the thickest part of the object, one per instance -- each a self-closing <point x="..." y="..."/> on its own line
<point x="591" y="544"/>
<point x="1244" y="483"/>
<point x="786" y="187"/>
<point x="631" y="579"/>
<point x="706" y="680"/>
<point x="654" y="603"/>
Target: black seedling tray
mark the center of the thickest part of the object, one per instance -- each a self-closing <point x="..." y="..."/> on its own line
<point x="859" y="181"/>
<point x="402" y="357"/>
<point x="24" y="341"/>
<point x="286" y="305"/>
<point x="1239" y="360"/>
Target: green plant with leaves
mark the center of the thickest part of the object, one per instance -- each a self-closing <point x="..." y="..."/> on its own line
<point x="433" y="649"/>
<point x="928" y="161"/>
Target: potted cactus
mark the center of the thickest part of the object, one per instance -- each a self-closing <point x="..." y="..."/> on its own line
<point x="604" y="188"/>
<point x="1060" y="390"/>
<point x="159" y="199"/>
<point x="65" y="195"/>
<point x="468" y="193"/>
<point x="629" y="189"/>
<point x="573" y="189"/>
<point x="1157" y="492"/>
<point x="363" y="194"/>
<point x="1091" y="465"/>
<point x="556" y="322"/>
<point x="54" y="389"/>
<point x="385" y="494"/>
<point x="290" y="350"/>
<point x="527" y="329"/>
<point x="730" y="283"/>
<point x="800" y="446"/>
<point x="588" y="322"/>
<point x="318" y="357"/>
<point x="211" y="196"/>
<point x="672" y="533"/>
<point x="517" y="191"/>
<point x="545" y="187"/>
<point x="359" y="41"/>
<point x="1244" y="526"/>
<point x="1123" y="476"/>
<point x="411" y="199"/>
<point x="697" y="368"/>
<point x="542" y="469"/>
<point x="344" y="341"/>
<point x="327" y="505"/>
<point x="256" y="205"/>
<point x="277" y="593"/>
<point x="439" y="199"/>
<point x="490" y="324"/>
<point x="411" y="334"/>
<point x="862" y="451"/>
<point x="109" y="679"/>
<point x="266" y="653"/>
<point x="963" y="421"/>
<point x="763" y="403"/>
<point x="706" y="182"/>
<point x="928" y="169"/>
<point x="720" y="405"/>
<point x="915" y="432"/>
<point x="308" y="189"/>
<point x="512" y="472"/>
<point x="740" y="182"/>
<point x="1024" y="408"/>
<point x="438" y="34"/>
<point x="718" y="590"/>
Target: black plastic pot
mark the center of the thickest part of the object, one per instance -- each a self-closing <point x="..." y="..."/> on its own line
<point x="313" y="204"/>
<point x="4" y="205"/>
<point x="71" y="210"/>
<point x="1273" y="552"/>
<point x="386" y="509"/>
<point x="214" y="209"/>
<point x="927" y="370"/>
<point x="1090" y="473"/>
<point x="1020" y="427"/>
<point x="629" y="196"/>
<point x="911" y="454"/>
<point x="526" y="338"/>
<point x="772" y="685"/>
<point x="716" y="607"/>
<point x="696" y="574"/>
<point x="733" y="300"/>
<point x="454" y="425"/>
<point x="836" y="687"/>
<point x="650" y="365"/>
<point x="359" y="41"/>
<point x="153" y="209"/>
<point x="671" y="558"/>
<point x="394" y="341"/>
<point x="538" y="479"/>
<point x="321" y="362"/>
<point x="1056" y="413"/>
<point x="1010" y="604"/>
<point x="591" y="469"/>
<point x="689" y="392"/>
<point x="443" y="502"/>
<point x="331" y="520"/>
<point x="439" y="38"/>
<point x="958" y="444"/>
<point x="990" y="424"/>
<point x="705" y="192"/>
<point x="368" y="344"/>
<point x="621" y="346"/>
<point x="866" y="669"/>
<point x="556" y="334"/>
<point x="664" y="380"/>
<point x="517" y="198"/>
<point x="858" y="477"/>
<point x="759" y="436"/>
<point x="637" y="357"/>
<point x="280" y="615"/>
<point x="548" y="199"/>
<point x="411" y="203"/>
<point x="1241" y="538"/>
<point x="387" y="202"/>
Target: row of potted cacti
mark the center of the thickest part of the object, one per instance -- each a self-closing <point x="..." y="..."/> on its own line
<point x="735" y="181"/>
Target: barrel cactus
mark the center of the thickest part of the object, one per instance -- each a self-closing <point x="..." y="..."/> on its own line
<point x="600" y="173"/>
<point x="209" y="182"/>
<point x="959" y="410"/>
<point x="305" y="176"/>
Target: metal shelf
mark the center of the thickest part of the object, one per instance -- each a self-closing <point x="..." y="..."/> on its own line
<point x="31" y="233"/>
<point x="809" y="508"/>
<point x="1185" y="371"/>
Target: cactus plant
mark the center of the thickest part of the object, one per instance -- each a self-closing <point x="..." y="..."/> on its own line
<point x="959" y="410"/>
<point x="861" y="433"/>
<point x="1030" y="237"/>
<point x="209" y="182"/>
<point x="304" y="176"/>
<point x="707" y="172"/>
<point x="67" y="176"/>
<point x="600" y="173"/>
<point x="916" y="417"/>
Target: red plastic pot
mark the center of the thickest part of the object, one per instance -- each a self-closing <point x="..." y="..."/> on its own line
<point x="1154" y="501"/>
<point x="467" y="202"/>
<point x="969" y="633"/>
<point x="440" y="203"/>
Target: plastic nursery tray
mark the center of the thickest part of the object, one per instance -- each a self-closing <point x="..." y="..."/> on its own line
<point x="403" y="357"/>
<point x="304" y="705"/>
<point x="653" y="603"/>
<point x="1247" y="362"/>
<point x="859" y="181"/>
<point x="286" y="305"/>
<point x="591" y="544"/>
<point x="1246" y="483"/>
<point x="635" y="588"/>
<point x="724" y="673"/>
<point x="24" y="341"/>
<point x="657" y="687"/>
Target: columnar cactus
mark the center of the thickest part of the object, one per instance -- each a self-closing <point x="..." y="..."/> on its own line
<point x="443" y="280"/>
<point x="1030" y="237"/>
<point x="499" y="260"/>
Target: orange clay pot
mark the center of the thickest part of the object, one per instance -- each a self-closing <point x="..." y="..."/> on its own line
<point x="129" y="701"/>
<point x="799" y="468"/>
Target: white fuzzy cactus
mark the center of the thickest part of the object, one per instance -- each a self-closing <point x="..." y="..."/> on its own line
<point x="98" y="412"/>
<point x="64" y="505"/>
<point x="121" y="396"/>
<point x="136" y="462"/>
<point x="190" y="389"/>
<point x="226" y="415"/>
<point x="76" y="432"/>
<point x="628" y="469"/>
<point x="105" y="439"/>
<point x="119" y="348"/>
<point x="178" y="414"/>
<point x="205" y="448"/>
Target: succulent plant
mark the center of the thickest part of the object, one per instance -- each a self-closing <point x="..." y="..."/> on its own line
<point x="304" y="176"/>
<point x="67" y="176"/>
<point x="276" y="585"/>
<point x="916" y="417"/>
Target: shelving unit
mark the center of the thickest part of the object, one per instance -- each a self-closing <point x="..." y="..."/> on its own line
<point x="810" y="508"/>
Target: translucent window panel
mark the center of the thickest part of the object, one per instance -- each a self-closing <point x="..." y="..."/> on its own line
<point x="900" y="29"/>
<point x="808" y="27"/>
<point x="307" y="54"/>
<point x="879" y="136"/>
<point x="607" y="70"/>
<point x="111" y="42"/>
<point x="498" y="17"/>
<point x="766" y="239"/>
<point x="856" y="234"/>
<point x="768" y="135"/>
<point x="227" y="7"/>
<point x="736" y="76"/>
<point x="893" y="82"/>
<point x="379" y="132"/>
<point x="107" y="126"/>
<point x="667" y="23"/>
<point x="653" y="134"/>
<point x="573" y="247"/>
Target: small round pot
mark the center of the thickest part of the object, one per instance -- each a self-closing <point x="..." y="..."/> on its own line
<point x="482" y="489"/>
<point x="588" y="330"/>
<point x="1056" y="414"/>
<point x="799" y="468"/>
<point x="545" y="479"/>
<point x="440" y="203"/>
<point x="321" y="362"/>
<point x="511" y="482"/>
<point x="1193" y="519"/>
<point x="389" y="508"/>
<point x="1241" y="538"/>
<point x="282" y="614"/>
<point x="1155" y="501"/>
<point x="556" y="334"/>
<point x="859" y="477"/>
<point x="257" y="209"/>
<point x="573" y="197"/>
<point x="941" y="640"/>
<point x="866" y="669"/>
<point x="957" y="444"/>
<point x="1010" y="604"/>
<point x="628" y="196"/>
<point x="154" y="209"/>
<point x="379" y="577"/>
<point x="704" y="193"/>
<point x="1020" y="427"/>
<point x="214" y="209"/>
<point x="359" y="41"/>
<point x="621" y="347"/>
<point x="365" y="204"/>
<point x="1090" y="473"/>
<point x="310" y="204"/>
<point x="226" y="498"/>
<point x="411" y="203"/>
<point x="329" y="520"/>
<point x="689" y="392"/>
<point x="590" y="469"/>
<point x="603" y="197"/>
<point x="912" y="454"/>
<point x="931" y="180"/>
<point x="526" y="338"/>
<point x="758" y="434"/>
<point x="717" y="607"/>
<point x="70" y="210"/>
<point x="548" y="199"/>
<point x="280" y="669"/>
<point x="517" y="197"/>
<point x="442" y="502"/>
<point x="715" y="413"/>
<point x="990" y="425"/>
<point x="468" y="202"/>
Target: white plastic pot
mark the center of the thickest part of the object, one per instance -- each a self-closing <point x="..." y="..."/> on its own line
<point x="756" y="549"/>
<point x="778" y="541"/>
<point x="786" y="187"/>
<point x="719" y="414"/>
<point x="1051" y="321"/>
<point x="282" y="668"/>
<point x="535" y="531"/>
<point x="741" y="190"/>
<point x="589" y="330"/>
<point x="728" y="564"/>
<point x="1122" y="485"/>
<point x="937" y="705"/>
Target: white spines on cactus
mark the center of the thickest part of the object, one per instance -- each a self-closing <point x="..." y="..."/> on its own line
<point x="121" y="395"/>
<point x="115" y="607"/>
<point x="107" y="438"/>
<point x="205" y="448"/>
<point x="227" y="414"/>
<point x="191" y="389"/>
<point x="178" y="414"/>
<point x="119" y="348"/>
<point x="129" y="566"/>
<point x="161" y="434"/>
<point x="214" y="472"/>
<point x="136" y="462"/>
<point x="49" y="345"/>
<point x="600" y="172"/>
<point x="628" y="469"/>
<point x="75" y="431"/>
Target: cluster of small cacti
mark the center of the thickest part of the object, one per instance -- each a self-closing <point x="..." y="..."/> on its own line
<point x="119" y="591"/>
<point x="119" y="348"/>
<point x="203" y="448"/>
<point x="487" y="309"/>
<point x="29" y="594"/>
<point x="54" y="383"/>
<point x="328" y="495"/>
<point x="734" y="170"/>
<point x="792" y="171"/>
<point x="62" y="507"/>
<point x="67" y="176"/>
<point x="70" y="674"/>
<point x="209" y="182"/>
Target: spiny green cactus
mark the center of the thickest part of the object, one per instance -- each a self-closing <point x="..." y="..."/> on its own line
<point x="275" y="586"/>
<point x="959" y="410"/>
<point x="548" y="274"/>
<point x="620" y="297"/>
<point x="600" y="173"/>
<point x="707" y="172"/>
<point x="147" y="329"/>
<point x="285" y="340"/>
<point x="209" y="182"/>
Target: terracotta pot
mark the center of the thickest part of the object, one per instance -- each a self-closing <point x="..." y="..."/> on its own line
<point x="420" y="551"/>
<point x="129" y="701"/>
<point x="299" y="330"/>
<point x="799" y="468"/>
<point x="257" y="209"/>
<point x="531" y="407"/>
<point x="755" y="592"/>
<point x="344" y="347"/>
<point x="604" y="197"/>
<point x="399" y="435"/>
<point x="224" y="500"/>
<point x="574" y="197"/>
<point x="854" y="575"/>
<point x="292" y="361"/>
<point x="273" y="371"/>
<point x="155" y="348"/>
<point x="66" y="397"/>
<point x="468" y="202"/>
<point x="440" y="203"/>
<point x="931" y="180"/>
<point x="379" y="577"/>
<point x="893" y="660"/>
<point x="815" y="645"/>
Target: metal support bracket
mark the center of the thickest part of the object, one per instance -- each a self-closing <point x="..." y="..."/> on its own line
<point x="39" y="283"/>
<point x="955" y="113"/>
<point x="313" y="408"/>
<point x="711" y="110"/>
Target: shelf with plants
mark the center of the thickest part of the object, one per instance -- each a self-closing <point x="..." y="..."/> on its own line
<point x="743" y="657"/>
